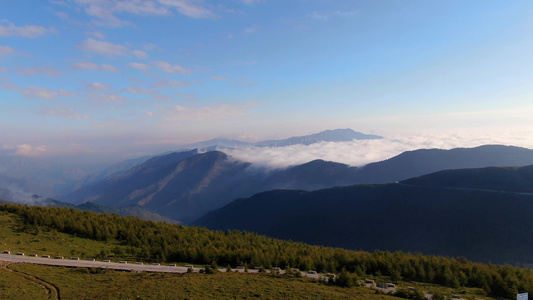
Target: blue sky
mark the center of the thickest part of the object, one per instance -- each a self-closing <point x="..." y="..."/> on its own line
<point x="114" y="76"/>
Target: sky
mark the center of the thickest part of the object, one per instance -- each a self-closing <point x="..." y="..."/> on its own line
<point x="128" y="78"/>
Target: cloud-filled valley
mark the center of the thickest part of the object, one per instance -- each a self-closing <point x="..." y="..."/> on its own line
<point x="362" y="152"/>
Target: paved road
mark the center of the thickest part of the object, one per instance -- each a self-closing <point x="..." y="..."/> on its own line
<point x="93" y="264"/>
<point x="68" y="262"/>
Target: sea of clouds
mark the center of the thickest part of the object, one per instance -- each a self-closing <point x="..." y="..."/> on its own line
<point x="362" y="152"/>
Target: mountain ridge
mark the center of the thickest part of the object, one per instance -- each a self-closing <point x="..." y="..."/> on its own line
<point x="186" y="185"/>
<point x="479" y="225"/>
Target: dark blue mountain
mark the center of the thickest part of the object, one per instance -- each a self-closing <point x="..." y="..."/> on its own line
<point x="465" y="221"/>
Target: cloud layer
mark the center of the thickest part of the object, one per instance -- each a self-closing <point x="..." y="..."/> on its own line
<point x="362" y="152"/>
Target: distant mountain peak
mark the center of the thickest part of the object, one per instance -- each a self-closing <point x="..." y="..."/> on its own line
<point x="330" y="135"/>
<point x="334" y="135"/>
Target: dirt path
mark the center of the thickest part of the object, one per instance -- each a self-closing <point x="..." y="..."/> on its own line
<point x="52" y="291"/>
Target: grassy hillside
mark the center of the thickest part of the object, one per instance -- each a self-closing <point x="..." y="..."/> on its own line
<point x="94" y="284"/>
<point x="144" y="240"/>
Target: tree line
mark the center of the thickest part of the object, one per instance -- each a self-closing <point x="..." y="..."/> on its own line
<point x="157" y="241"/>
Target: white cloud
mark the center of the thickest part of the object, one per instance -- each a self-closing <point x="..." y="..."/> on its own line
<point x="141" y="7"/>
<point x="6" y="50"/>
<point x="67" y="18"/>
<point x="149" y="47"/>
<point x="190" y="8"/>
<point x="102" y="11"/>
<point x="5" y="79"/>
<point x="140" y="54"/>
<point x="29" y="150"/>
<point x="66" y="112"/>
<point x="105" y="10"/>
<point x="30" y="31"/>
<point x="47" y="71"/>
<point x="362" y="152"/>
<point x="32" y="91"/>
<point x="112" y="98"/>
<point x="44" y="92"/>
<point x="97" y="34"/>
<point x="167" y="83"/>
<point x="92" y="66"/>
<point x="138" y="90"/>
<point x="168" y="68"/>
<point x="101" y="47"/>
<point x="98" y="86"/>
<point x="9" y="86"/>
<point x="3" y="70"/>
<point x="251" y="29"/>
<point x="139" y="66"/>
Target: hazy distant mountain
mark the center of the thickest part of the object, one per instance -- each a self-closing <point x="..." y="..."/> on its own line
<point x="176" y="185"/>
<point x="186" y="185"/>
<point x="220" y="142"/>
<point x="479" y="225"/>
<point x="113" y="170"/>
<point x="53" y="177"/>
<point x="337" y="135"/>
<point x="135" y="211"/>
<point x="36" y="175"/>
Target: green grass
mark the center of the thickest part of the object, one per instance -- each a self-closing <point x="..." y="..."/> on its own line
<point x="19" y="238"/>
<point x="83" y="284"/>
<point x="15" y="286"/>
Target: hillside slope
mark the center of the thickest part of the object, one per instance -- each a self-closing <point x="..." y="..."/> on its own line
<point x="479" y="225"/>
<point x="425" y="161"/>
<point x="187" y="185"/>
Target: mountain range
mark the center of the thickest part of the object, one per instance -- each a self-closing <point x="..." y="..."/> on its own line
<point x="450" y="213"/>
<point x="335" y="135"/>
<point x="186" y="185"/>
<point x="50" y="178"/>
<point x="461" y="202"/>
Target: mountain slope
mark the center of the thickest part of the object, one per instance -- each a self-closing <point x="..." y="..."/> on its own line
<point x="425" y="161"/>
<point x="186" y="185"/>
<point x="174" y="185"/>
<point x="481" y="226"/>
<point x="510" y="179"/>
<point x="143" y="170"/>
